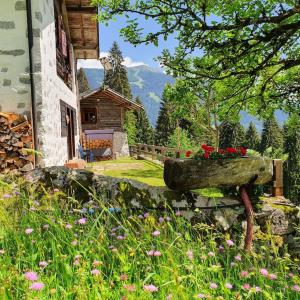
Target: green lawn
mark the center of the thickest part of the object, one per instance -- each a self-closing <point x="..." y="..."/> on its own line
<point x="141" y="170"/>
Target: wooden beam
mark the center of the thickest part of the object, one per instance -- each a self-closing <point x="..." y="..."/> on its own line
<point x="277" y="189"/>
<point x="82" y="10"/>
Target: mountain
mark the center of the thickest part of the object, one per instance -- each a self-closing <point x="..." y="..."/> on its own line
<point x="148" y="83"/>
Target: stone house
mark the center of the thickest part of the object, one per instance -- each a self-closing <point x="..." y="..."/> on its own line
<point x="41" y="41"/>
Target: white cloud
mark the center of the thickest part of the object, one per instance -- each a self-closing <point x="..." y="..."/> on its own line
<point x="95" y="63"/>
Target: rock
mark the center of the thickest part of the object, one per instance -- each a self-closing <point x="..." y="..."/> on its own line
<point x="190" y="174"/>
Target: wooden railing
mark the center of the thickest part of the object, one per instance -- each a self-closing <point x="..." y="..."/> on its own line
<point x="155" y="152"/>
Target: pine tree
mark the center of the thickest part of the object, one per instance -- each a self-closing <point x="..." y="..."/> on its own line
<point x="144" y="131"/>
<point x="83" y="84"/>
<point x="292" y="165"/>
<point x="252" y="138"/>
<point x="130" y="127"/>
<point x="231" y="135"/>
<point x="272" y="136"/>
<point x="117" y="78"/>
<point x="165" y="125"/>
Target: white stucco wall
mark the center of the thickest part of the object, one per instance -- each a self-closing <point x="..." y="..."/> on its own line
<point x="50" y="87"/>
<point x="14" y="58"/>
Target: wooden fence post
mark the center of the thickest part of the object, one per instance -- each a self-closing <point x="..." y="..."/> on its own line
<point x="153" y="152"/>
<point x="277" y="188"/>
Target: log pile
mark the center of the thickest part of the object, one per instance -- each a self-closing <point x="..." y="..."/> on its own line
<point x="16" y="144"/>
<point x="97" y="144"/>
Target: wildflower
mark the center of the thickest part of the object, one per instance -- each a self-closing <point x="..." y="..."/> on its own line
<point x="97" y="263"/>
<point x="146" y="215"/>
<point x="246" y="286"/>
<point x="257" y="289"/>
<point x="150" y="253"/>
<point x="264" y="272"/>
<point x="140" y="216"/>
<point x="74" y="243"/>
<point x="221" y="248"/>
<point x="28" y="230"/>
<point x="201" y="296"/>
<point x="211" y="254"/>
<point x="114" y="250"/>
<point x="150" y="288"/>
<point x="190" y="255"/>
<point x="229" y="242"/>
<point x="272" y="276"/>
<point x="232" y="264"/>
<point x="43" y="264"/>
<point x="82" y="221"/>
<point x="161" y="219"/>
<point x="95" y="272"/>
<point x="178" y="213"/>
<point x="296" y="288"/>
<point x="7" y="196"/>
<point x="46" y="226"/>
<point x="123" y="277"/>
<point x="31" y="276"/>
<point x="156" y="233"/>
<point x="56" y="190"/>
<point x="169" y="297"/>
<point x="2" y="251"/>
<point x="120" y="237"/>
<point x="157" y="253"/>
<point x="37" y="286"/>
<point x="238" y="258"/>
<point x="188" y="153"/>
<point x="244" y="274"/>
<point x="129" y="288"/>
<point x="76" y="262"/>
<point x="213" y="285"/>
<point x="69" y="226"/>
<point x="168" y="219"/>
<point x="228" y="286"/>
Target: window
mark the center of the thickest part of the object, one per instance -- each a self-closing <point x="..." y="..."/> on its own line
<point x="89" y="116"/>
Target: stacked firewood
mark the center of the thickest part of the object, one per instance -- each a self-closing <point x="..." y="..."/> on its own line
<point x="97" y="144"/>
<point x="16" y="144"/>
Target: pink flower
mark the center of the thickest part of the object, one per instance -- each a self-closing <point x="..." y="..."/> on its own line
<point x="69" y="226"/>
<point x="230" y="242"/>
<point x="95" y="272"/>
<point x="156" y="233"/>
<point x="257" y="289"/>
<point x="6" y="196"/>
<point x="28" y="230"/>
<point x="37" y="286"/>
<point x="296" y="288"/>
<point x="123" y="277"/>
<point x="96" y="263"/>
<point x="74" y="243"/>
<point x="120" y="237"/>
<point x="210" y="254"/>
<point x="150" y="253"/>
<point x="82" y="221"/>
<point x="190" y="255"/>
<point x="31" y="276"/>
<point x="272" y="276"/>
<point x="228" y="286"/>
<point x="161" y="219"/>
<point x="157" y="253"/>
<point x="201" y="296"/>
<point x="150" y="288"/>
<point x="264" y="272"/>
<point x="43" y="264"/>
<point x="213" y="285"/>
<point x="178" y="213"/>
<point x="238" y="258"/>
<point x="244" y="274"/>
<point x="246" y="286"/>
<point x="129" y="288"/>
<point x="146" y="215"/>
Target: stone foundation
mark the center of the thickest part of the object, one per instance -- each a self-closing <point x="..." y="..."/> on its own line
<point x="120" y="144"/>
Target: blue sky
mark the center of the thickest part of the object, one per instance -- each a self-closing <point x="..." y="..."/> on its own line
<point x="144" y="54"/>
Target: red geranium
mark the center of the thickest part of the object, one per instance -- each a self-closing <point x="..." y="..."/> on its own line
<point x="207" y="148"/>
<point x="243" y="151"/>
<point x="231" y="150"/>
<point x="188" y="153"/>
<point x="206" y="155"/>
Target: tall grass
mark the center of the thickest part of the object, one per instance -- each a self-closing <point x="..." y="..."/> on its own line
<point x="93" y="252"/>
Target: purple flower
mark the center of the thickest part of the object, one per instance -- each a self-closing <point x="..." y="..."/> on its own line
<point x="230" y="242"/>
<point x="82" y="221"/>
<point x="120" y="237"/>
<point x="69" y="226"/>
<point x="296" y="288"/>
<point x="37" y="286"/>
<point x="150" y="288"/>
<point x="31" y="276"/>
<point x="157" y="253"/>
<point x="161" y="219"/>
<point x="28" y="230"/>
<point x="190" y="255"/>
<point x="201" y="296"/>
<point x="146" y="215"/>
<point x="228" y="286"/>
<point x="257" y="289"/>
<point x="150" y="253"/>
<point x="43" y="264"/>
<point x="264" y="272"/>
<point x="156" y="233"/>
<point x="7" y="196"/>
<point x="213" y="285"/>
<point x="95" y="272"/>
<point x="238" y="258"/>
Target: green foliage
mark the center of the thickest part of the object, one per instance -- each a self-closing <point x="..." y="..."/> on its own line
<point x="180" y="139"/>
<point x="130" y="127"/>
<point x="271" y="136"/>
<point x="292" y="165"/>
<point x="165" y="125"/>
<point x="83" y="84"/>
<point x="109" y="252"/>
<point x="252" y="138"/>
<point x="144" y="131"/>
<point x="250" y="47"/>
<point x="117" y="78"/>
<point x="231" y="135"/>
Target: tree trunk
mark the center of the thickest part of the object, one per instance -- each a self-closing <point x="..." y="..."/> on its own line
<point x="190" y="174"/>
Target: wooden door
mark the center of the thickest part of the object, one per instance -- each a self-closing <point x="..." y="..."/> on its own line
<point x="71" y="133"/>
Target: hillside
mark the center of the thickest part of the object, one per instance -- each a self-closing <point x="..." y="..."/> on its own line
<point x="148" y="83"/>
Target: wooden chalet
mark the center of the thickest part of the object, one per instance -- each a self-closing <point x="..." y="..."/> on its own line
<point x="104" y="108"/>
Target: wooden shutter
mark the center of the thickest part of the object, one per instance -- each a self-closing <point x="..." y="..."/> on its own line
<point x="64" y="125"/>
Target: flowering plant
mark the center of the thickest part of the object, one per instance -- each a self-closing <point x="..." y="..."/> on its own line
<point x="209" y="152"/>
